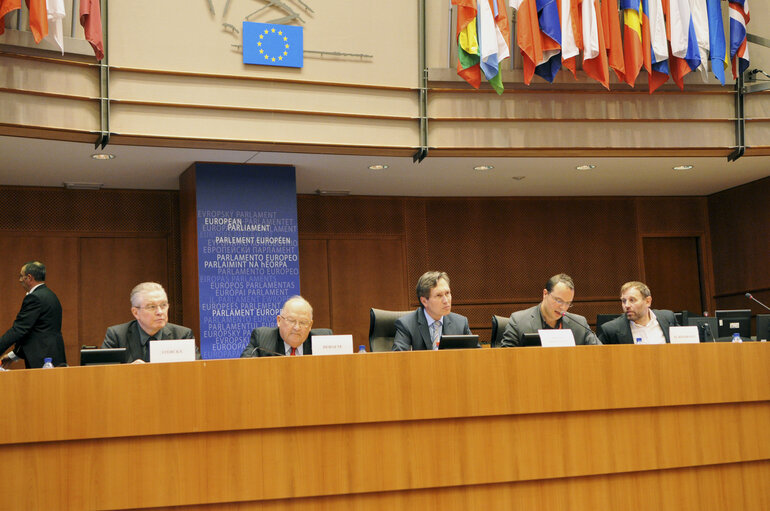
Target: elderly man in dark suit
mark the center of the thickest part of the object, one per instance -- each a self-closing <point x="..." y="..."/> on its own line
<point x="36" y="332"/>
<point x="639" y="324"/>
<point x="292" y="335"/>
<point x="149" y="305"/>
<point x="550" y="313"/>
<point x="422" y="329"/>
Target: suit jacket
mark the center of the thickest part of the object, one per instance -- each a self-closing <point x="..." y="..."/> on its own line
<point x="36" y="332"/>
<point x="266" y="342"/>
<point x="412" y="330"/>
<point x="530" y="321"/>
<point x="618" y="331"/>
<point x="126" y="335"/>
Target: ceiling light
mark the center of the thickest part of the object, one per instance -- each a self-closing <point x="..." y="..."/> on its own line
<point x="378" y="166"/>
<point x="518" y="178"/>
<point x="682" y="167"/>
<point x="102" y="156"/>
<point x="69" y="185"/>
<point x="588" y="166"/>
<point x="483" y="167"/>
<point x="333" y="193"/>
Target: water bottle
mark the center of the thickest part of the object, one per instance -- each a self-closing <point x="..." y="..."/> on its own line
<point x="638" y="340"/>
<point x="361" y="348"/>
<point x="737" y="337"/>
<point x="47" y="363"/>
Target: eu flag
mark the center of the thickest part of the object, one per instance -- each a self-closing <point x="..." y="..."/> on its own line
<point x="272" y="45"/>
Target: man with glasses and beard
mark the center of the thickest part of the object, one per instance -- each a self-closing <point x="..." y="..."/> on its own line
<point x="149" y="305"/>
<point x="551" y="313"/>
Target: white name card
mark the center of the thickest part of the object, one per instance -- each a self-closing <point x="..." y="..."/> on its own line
<point x="683" y="334"/>
<point x="556" y="338"/>
<point x="172" y="350"/>
<point x="332" y="344"/>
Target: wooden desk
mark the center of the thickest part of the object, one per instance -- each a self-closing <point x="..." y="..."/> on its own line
<point x="591" y="427"/>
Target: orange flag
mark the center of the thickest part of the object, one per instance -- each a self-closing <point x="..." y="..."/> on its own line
<point x="528" y="36"/>
<point x="91" y="19"/>
<point x="38" y="19"/>
<point x="612" y="38"/>
<point x="7" y="6"/>
<point x="594" y="49"/>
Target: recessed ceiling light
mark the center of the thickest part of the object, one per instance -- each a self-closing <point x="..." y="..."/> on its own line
<point x="518" y="178"/>
<point x="70" y="185"/>
<point x="378" y="166"/>
<point x="483" y="167"/>
<point x="588" y="166"/>
<point x="682" y="167"/>
<point x="102" y="156"/>
<point x="332" y="193"/>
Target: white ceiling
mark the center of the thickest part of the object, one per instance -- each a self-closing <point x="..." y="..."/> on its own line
<point x="35" y="162"/>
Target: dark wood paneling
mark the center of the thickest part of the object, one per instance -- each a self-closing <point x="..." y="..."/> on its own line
<point x="314" y="280"/>
<point x="352" y="215"/>
<point x="672" y="273"/>
<point x="671" y="214"/>
<point x="188" y="221"/>
<point x="365" y="273"/>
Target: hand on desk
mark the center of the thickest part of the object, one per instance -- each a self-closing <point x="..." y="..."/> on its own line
<point x="138" y="361"/>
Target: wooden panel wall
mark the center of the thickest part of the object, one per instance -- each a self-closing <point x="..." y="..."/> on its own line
<point x="740" y="230"/>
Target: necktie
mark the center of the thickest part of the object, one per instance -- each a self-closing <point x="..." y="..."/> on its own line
<point x="435" y="333"/>
<point x="293" y="352"/>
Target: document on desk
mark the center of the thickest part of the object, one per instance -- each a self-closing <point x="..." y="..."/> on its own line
<point x="332" y="344"/>
<point x="683" y="334"/>
<point x="556" y="338"/>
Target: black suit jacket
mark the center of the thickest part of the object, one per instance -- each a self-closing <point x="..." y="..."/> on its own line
<point x="36" y="332"/>
<point x="266" y="342"/>
<point x="412" y="330"/>
<point x="126" y="335"/>
<point x="618" y="331"/>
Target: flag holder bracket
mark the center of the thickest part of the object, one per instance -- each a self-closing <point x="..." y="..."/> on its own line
<point x="104" y="85"/>
<point x="740" y="93"/>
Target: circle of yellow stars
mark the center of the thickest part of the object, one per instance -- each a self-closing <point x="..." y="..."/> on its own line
<point x="285" y="41"/>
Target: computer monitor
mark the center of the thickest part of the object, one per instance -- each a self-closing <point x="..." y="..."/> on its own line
<point x="730" y="322"/>
<point x="763" y="327"/>
<point x="458" y="342"/>
<point x="531" y="339"/>
<point x="102" y="356"/>
<point x="707" y="328"/>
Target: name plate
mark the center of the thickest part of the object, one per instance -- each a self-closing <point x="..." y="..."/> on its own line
<point x="332" y="344"/>
<point x="172" y="350"/>
<point x="683" y="334"/>
<point x="556" y="338"/>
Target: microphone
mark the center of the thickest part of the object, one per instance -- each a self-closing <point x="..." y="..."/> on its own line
<point x="564" y="316"/>
<point x="265" y="350"/>
<point x="707" y="332"/>
<point x="748" y="295"/>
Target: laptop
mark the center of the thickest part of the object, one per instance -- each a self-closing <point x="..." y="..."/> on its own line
<point x="458" y="342"/>
<point x="102" y="356"/>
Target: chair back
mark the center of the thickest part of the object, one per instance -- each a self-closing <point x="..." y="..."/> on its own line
<point x="604" y="318"/>
<point x="498" y="329"/>
<point x="382" y="328"/>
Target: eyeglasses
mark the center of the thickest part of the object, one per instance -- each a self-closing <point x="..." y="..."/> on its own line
<point x="152" y="307"/>
<point x="561" y="302"/>
<point x="303" y="323"/>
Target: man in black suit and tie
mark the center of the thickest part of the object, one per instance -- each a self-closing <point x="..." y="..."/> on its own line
<point x="639" y="324"/>
<point x="36" y="332"/>
<point x="291" y="336"/>
<point x="149" y="305"/>
<point x="422" y="329"/>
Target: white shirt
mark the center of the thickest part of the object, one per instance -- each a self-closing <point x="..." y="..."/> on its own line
<point x="287" y="349"/>
<point x="430" y="321"/>
<point x="651" y="333"/>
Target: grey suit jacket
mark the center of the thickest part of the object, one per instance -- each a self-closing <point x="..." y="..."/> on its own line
<point x="618" y="331"/>
<point x="529" y="321"/>
<point x="266" y="342"/>
<point x="412" y="331"/>
<point x="126" y="335"/>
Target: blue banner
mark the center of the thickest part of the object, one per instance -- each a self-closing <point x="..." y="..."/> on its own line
<point x="272" y="45"/>
<point x="248" y="261"/>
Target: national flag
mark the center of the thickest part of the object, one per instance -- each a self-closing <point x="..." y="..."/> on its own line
<point x="38" y="19"/>
<point x="91" y="20"/>
<point x="594" y="50"/>
<point x="633" y="57"/>
<point x="550" y="28"/>
<point x="571" y="34"/>
<point x="700" y="23"/>
<point x="7" y="6"/>
<point x="685" y="56"/>
<point x="528" y="36"/>
<point x="467" y="42"/>
<point x="739" y="50"/>
<point x="717" y="44"/>
<point x="612" y="38"/>
<point x="56" y="15"/>
<point x="269" y="44"/>
<point x="656" y="49"/>
<point x="493" y="43"/>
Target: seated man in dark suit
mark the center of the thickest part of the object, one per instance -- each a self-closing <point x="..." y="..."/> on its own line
<point x="291" y="337"/>
<point x="36" y="332"/>
<point x="550" y="313"/>
<point x="422" y="329"/>
<point x="640" y="324"/>
<point x="149" y="305"/>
